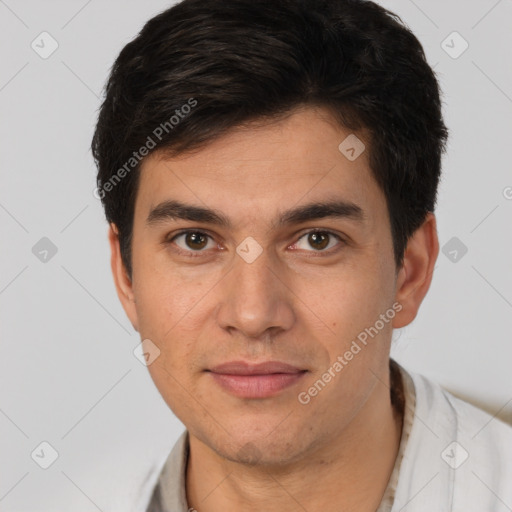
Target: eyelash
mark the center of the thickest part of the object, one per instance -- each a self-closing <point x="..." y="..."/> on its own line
<point x="196" y="254"/>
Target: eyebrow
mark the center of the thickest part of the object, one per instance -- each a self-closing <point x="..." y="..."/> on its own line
<point x="176" y="210"/>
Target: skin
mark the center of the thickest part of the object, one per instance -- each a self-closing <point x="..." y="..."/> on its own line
<point x="295" y="303"/>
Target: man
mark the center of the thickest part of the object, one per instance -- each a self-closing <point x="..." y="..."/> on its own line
<point x="269" y="171"/>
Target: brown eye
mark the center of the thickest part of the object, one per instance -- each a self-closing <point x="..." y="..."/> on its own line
<point x="318" y="240"/>
<point x="196" y="240"/>
<point x="192" y="241"/>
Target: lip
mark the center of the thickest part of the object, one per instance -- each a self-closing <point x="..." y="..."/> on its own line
<point x="262" y="380"/>
<point x="264" y="368"/>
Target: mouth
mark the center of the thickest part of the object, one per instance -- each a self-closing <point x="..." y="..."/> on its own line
<point x="262" y="380"/>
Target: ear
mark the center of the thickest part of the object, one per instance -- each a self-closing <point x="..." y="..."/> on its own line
<point x="415" y="275"/>
<point x="121" y="279"/>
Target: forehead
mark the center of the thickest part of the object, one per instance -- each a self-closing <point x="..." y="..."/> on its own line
<point x="256" y="168"/>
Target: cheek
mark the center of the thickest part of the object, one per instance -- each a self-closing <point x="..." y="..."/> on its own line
<point x="179" y="393"/>
<point x="172" y="311"/>
<point x="164" y="301"/>
<point x="348" y="300"/>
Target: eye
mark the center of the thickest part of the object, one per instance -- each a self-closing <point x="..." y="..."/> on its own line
<point x="317" y="239"/>
<point x="192" y="241"/>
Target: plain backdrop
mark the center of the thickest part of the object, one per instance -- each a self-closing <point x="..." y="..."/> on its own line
<point x="68" y="375"/>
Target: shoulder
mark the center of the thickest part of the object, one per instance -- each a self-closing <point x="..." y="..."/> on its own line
<point x="468" y="421"/>
<point x="164" y="487"/>
<point x="458" y="457"/>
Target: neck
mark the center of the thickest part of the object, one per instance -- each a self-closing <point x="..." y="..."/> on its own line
<point x="349" y="474"/>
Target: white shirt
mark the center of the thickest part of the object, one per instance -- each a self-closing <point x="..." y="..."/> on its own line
<point x="452" y="457"/>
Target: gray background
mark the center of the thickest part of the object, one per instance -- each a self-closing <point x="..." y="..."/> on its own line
<point x="68" y="375"/>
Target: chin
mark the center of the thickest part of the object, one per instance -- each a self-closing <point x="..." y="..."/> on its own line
<point x="260" y="449"/>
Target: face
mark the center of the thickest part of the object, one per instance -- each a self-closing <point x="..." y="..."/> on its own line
<point x="274" y="281"/>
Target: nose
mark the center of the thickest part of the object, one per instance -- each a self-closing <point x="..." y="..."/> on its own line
<point x="256" y="301"/>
